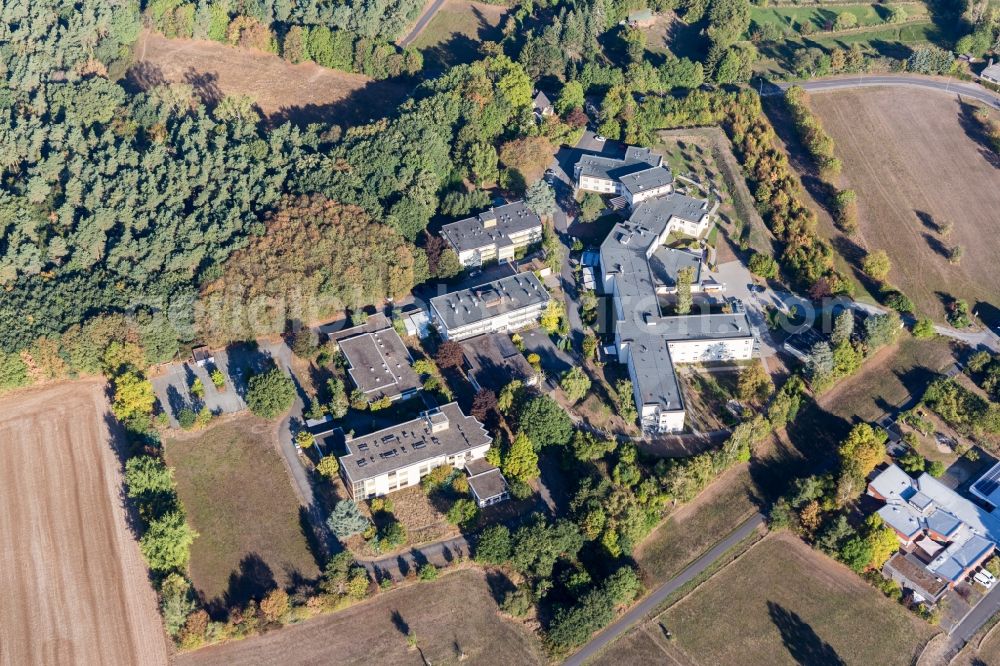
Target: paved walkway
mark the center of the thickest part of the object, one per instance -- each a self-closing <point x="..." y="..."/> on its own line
<point x="649" y="604"/>
<point x="439" y="553"/>
<point x="940" y="84"/>
<point x="421" y="23"/>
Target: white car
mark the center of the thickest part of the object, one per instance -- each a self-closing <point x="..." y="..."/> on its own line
<point x="598" y="138"/>
<point x="985" y="578"/>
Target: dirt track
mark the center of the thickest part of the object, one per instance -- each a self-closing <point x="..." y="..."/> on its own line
<point x="74" y="584"/>
<point x="305" y="92"/>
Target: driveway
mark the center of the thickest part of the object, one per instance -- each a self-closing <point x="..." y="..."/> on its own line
<point x="440" y="554"/>
<point x="660" y="594"/>
<point x="980" y="613"/>
<point x="939" y="84"/>
<point x="554" y="361"/>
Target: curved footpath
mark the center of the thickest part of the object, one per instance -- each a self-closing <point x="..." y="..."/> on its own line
<point x="940" y="84"/>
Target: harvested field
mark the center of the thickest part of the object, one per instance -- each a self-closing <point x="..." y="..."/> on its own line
<point x="454" y="34"/>
<point x="303" y="93"/>
<point x="917" y="164"/>
<point x="451" y="617"/>
<point x="784" y="603"/>
<point x="74" y="582"/>
<point x="237" y="493"/>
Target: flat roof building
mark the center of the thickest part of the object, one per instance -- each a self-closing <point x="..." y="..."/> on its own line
<point x="506" y="304"/>
<point x="400" y="455"/>
<point x="493" y="235"/>
<point x="379" y="364"/>
<point x="635" y="269"/>
<point x="492" y="362"/>
<point x="486" y="482"/>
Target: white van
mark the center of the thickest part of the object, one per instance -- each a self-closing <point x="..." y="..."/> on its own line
<point x="985" y="578"/>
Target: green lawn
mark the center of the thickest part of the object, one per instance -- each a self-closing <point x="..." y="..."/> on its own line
<point x="823" y="18"/>
<point x="238" y="497"/>
<point x="454" y="34"/>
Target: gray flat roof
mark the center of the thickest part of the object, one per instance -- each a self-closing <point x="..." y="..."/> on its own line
<point x="647" y="179"/>
<point x="636" y="159"/>
<point x="379" y="361"/>
<point x="667" y="262"/>
<point x="412" y="442"/>
<point x="471" y="233"/>
<point x="494" y="360"/>
<point x="489" y="484"/>
<point x="628" y="253"/>
<point x="506" y="295"/>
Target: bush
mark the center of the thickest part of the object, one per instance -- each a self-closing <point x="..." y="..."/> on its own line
<point x="463" y="512"/>
<point x="427" y="572"/>
<point x="346" y="519"/>
<point x="304" y="439"/>
<point x="494" y="545"/>
<point x="275" y="605"/>
<point x="270" y="393"/>
<point x="763" y="266"/>
<point x="517" y="602"/>
<point x="936" y="468"/>
<point x="392" y="535"/>
<point x="328" y="466"/>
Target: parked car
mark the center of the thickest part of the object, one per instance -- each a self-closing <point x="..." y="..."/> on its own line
<point x="985" y="578"/>
<point x="598" y="138"/>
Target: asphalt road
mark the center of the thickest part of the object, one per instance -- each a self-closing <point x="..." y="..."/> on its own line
<point x="970" y="624"/>
<point x="421" y="23"/>
<point x="439" y="553"/>
<point x="863" y="81"/>
<point x="647" y="605"/>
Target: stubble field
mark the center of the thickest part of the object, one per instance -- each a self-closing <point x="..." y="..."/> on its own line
<point x="75" y="587"/>
<point x="915" y="161"/>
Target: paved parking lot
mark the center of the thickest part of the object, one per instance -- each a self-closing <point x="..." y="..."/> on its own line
<point x="173" y="388"/>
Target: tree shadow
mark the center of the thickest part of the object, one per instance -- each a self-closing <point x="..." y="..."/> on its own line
<point x="936" y="245"/>
<point x="360" y="106"/>
<point x="252" y="580"/>
<point x="401" y="625"/>
<point x="928" y="221"/>
<point x="205" y="85"/>
<point x="976" y="131"/>
<point x="989" y="314"/>
<point x="175" y="401"/>
<point x="499" y="584"/>
<point x="804" y="645"/>
<point x="143" y="76"/>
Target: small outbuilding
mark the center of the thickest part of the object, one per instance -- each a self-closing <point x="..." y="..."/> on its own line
<point x="202" y="356"/>
<point x="991" y="73"/>
<point x="486" y="482"/>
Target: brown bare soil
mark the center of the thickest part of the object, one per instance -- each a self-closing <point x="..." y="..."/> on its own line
<point x="74" y="583"/>
<point x="917" y="163"/>
<point x="304" y="93"/>
<point x="454" y="619"/>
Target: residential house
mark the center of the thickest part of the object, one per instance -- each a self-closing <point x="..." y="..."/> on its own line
<point x="991" y="73"/>
<point x="542" y="106"/>
<point x="493" y="235"/>
<point x="635" y="269"/>
<point x="399" y="456"/>
<point x="379" y="364"/>
<point x="492" y="361"/>
<point x="946" y="533"/>
<point x="507" y="304"/>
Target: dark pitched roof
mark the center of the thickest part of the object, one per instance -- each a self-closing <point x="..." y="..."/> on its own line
<point x="541" y="101"/>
